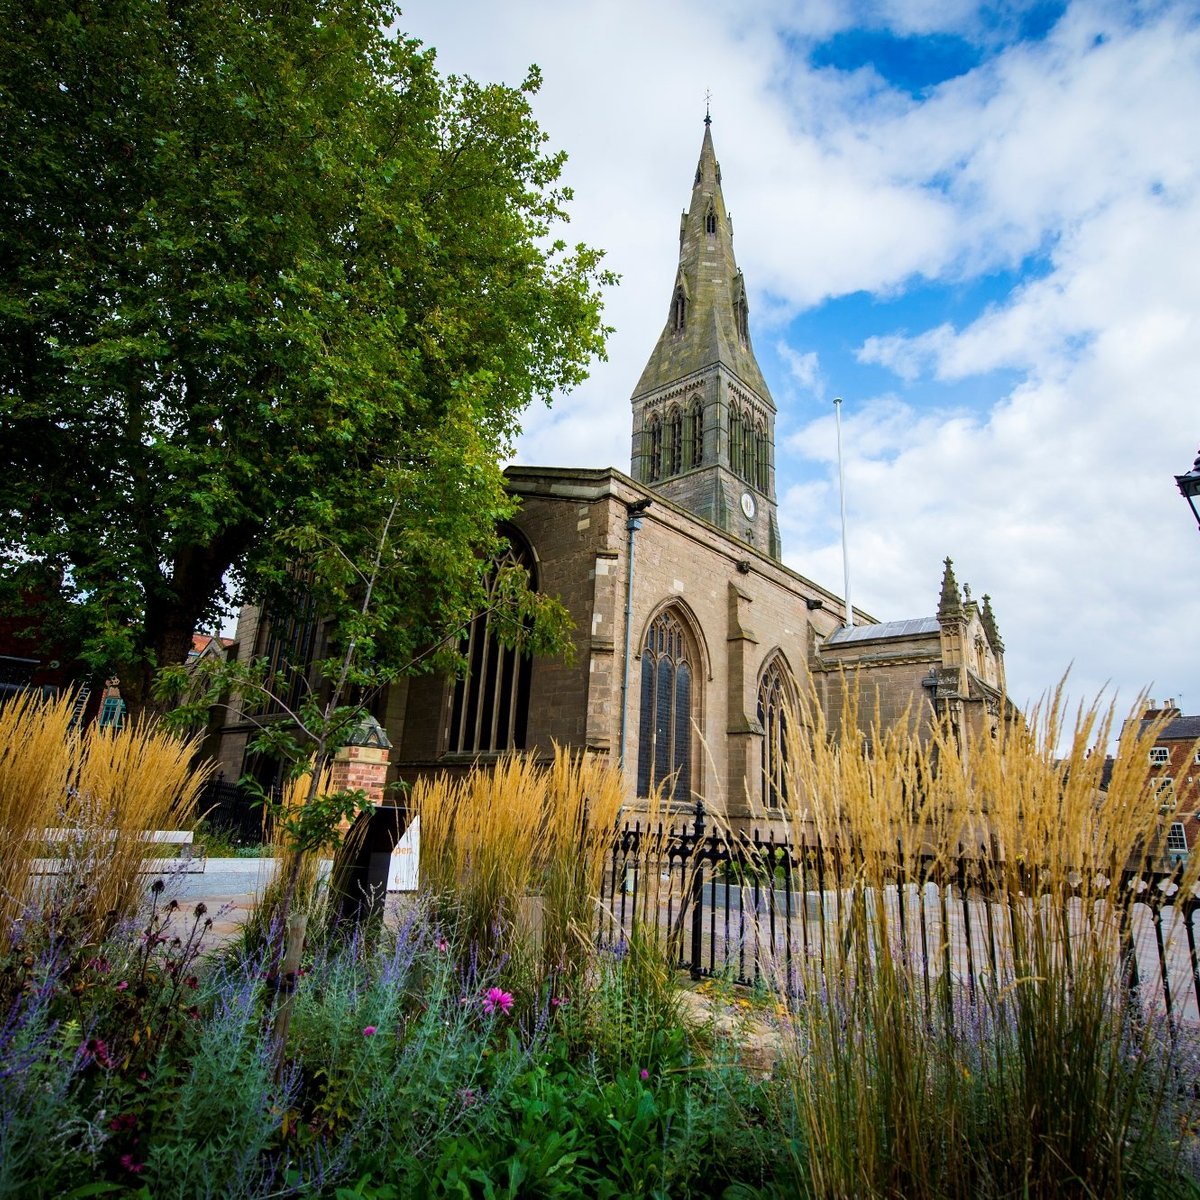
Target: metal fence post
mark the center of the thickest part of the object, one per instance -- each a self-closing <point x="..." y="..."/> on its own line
<point x="697" y="890"/>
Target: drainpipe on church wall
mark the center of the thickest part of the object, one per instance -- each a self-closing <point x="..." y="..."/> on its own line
<point x="636" y="516"/>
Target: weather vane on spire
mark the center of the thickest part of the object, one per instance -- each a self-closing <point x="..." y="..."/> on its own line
<point x="707" y="106"/>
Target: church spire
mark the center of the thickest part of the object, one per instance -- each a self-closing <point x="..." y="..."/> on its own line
<point x="703" y="418"/>
<point x="708" y="318"/>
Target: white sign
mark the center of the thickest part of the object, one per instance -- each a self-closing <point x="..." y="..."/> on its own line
<point x="405" y="867"/>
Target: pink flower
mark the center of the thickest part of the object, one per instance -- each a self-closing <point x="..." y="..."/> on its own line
<point x="443" y="945"/>
<point x="558" y="1001"/>
<point x="644" y="1074"/>
<point x="95" y="1050"/>
<point x="497" y="998"/>
<point x="128" y="1163"/>
<point x="368" y="1031"/>
<point x="122" y="985"/>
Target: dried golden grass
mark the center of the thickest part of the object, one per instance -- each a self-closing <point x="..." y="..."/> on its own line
<point x="584" y="799"/>
<point x="499" y="836"/>
<point x="1026" y="1088"/>
<point x="100" y="792"/>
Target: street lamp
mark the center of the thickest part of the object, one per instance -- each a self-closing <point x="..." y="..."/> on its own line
<point x="1189" y="487"/>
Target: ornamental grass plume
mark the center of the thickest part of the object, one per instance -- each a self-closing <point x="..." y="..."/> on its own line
<point x="583" y="800"/>
<point x="515" y="854"/>
<point x="962" y="1023"/>
<point x="480" y="837"/>
<point x="85" y="801"/>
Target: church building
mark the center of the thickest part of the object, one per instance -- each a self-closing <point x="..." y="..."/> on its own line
<point x="693" y="640"/>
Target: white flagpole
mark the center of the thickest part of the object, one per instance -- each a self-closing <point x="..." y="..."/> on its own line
<point x="837" y="408"/>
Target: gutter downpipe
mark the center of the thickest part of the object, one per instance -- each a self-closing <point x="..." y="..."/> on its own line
<point x="636" y="516"/>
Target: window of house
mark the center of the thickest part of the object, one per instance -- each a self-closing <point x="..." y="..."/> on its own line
<point x="1177" y="838"/>
<point x="773" y="694"/>
<point x="710" y="222"/>
<point x="489" y="709"/>
<point x="665" y="720"/>
<point x="112" y="712"/>
<point x="1159" y="756"/>
<point x="1196" y="756"/>
<point x="1164" y="793"/>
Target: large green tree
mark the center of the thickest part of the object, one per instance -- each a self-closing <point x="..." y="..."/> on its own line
<point x="265" y="277"/>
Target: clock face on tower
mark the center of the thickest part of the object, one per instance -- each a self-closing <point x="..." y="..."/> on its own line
<point x="748" y="505"/>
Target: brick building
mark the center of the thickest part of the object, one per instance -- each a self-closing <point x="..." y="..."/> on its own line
<point x="1175" y="776"/>
<point x="692" y="639"/>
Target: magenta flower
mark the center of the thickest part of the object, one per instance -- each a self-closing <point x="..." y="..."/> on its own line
<point x="128" y="1162"/>
<point x="368" y="1031"/>
<point x="497" y="998"/>
<point x="122" y="985"/>
<point x="644" y="1074"/>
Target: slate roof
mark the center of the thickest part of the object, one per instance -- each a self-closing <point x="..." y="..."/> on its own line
<point x="884" y="630"/>
<point x="1181" y="729"/>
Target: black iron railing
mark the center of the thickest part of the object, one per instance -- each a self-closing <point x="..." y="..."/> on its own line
<point x="753" y="907"/>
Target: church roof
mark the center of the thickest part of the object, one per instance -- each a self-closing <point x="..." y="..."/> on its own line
<point x="712" y="289"/>
<point x="913" y="627"/>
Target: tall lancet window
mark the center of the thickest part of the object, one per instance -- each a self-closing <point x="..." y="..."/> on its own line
<point x="665" y="721"/>
<point x="693" y="436"/>
<point x="736" y="429"/>
<point x="654" y="448"/>
<point x="673" y="452"/>
<point x="764" y="459"/>
<point x="774" y="702"/>
<point x="710" y="220"/>
<point x="679" y="309"/>
<point x="489" y="710"/>
<point x="749" y="453"/>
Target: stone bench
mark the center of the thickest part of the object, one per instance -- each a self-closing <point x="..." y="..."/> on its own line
<point x="189" y="858"/>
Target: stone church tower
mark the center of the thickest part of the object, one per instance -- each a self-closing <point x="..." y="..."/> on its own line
<point x="703" y="419"/>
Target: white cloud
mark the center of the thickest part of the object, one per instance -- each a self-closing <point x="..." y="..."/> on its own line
<point x="805" y="368"/>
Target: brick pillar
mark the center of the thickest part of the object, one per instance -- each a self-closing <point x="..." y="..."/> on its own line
<point x="362" y="768"/>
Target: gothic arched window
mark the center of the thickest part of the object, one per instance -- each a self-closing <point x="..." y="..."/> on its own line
<point x="654" y="448"/>
<point x="764" y="459"/>
<point x="710" y="220"/>
<point x="693" y="437"/>
<point x="735" y="439"/>
<point x="774" y="702"/>
<point x="489" y="710"/>
<point x="674" y="447"/>
<point x="679" y="309"/>
<point x="749" y="453"/>
<point x="665" y="719"/>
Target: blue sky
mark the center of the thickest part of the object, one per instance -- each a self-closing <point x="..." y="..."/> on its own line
<point x="978" y="224"/>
